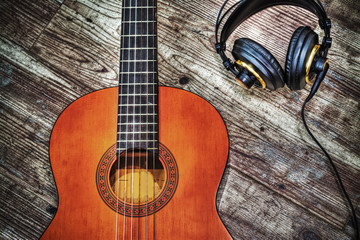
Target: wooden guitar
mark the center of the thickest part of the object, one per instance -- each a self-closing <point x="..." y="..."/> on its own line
<point x="138" y="161"/>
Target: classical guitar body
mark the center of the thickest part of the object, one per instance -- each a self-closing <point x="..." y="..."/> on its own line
<point x="170" y="198"/>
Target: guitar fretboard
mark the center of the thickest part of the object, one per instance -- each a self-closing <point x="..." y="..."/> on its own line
<point x="138" y="85"/>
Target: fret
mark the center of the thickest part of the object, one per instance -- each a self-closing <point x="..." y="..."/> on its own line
<point x="146" y="67"/>
<point x="140" y="21"/>
<point x="138" y="66"/>
<point x="138" y="132"/>
<point x="139" y="3"/>
<point x="137" y="119"/>
<point x="138" y="48"/>
<point x="138" y="90"/>
<point x="137" y="114"/>
<point x="138" y="109"/>
<point x="138" y="41"/>
<point x="139" y="7"/>
<point x="141" y="100"/>
<point x="137" y="84"/>
<point x="138" y="144"/>
<point x="137" y="35"/>
<point x="123" y="149"/>
<point x="131" y="118"/>
<point x="136" y="139"/>
<point x="142" y="61"/>
<point x="152" y="150"/>
<point x="138" y="123"/>
<point x="136" y="105"/>
<point x="137" y="72"/>
<point x="138" y="61"/>
<point x="138" y="28"/>
<point x="144" y="140"/>
<point x="141" y="54"/>
<point x="138" y="14"/>
<point x="135" y="94"/>
<point x="138" y="78"/>
<point x="137" y="127"/>
<point x="137" y="99"/>
<point x="138" y="87"/>
<point x="137" y="136"/>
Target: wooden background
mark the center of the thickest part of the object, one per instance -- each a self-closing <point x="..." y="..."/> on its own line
<point x="278" y="184"/>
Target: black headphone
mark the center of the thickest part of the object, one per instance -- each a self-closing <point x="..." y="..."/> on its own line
<point x="255" y="65"/>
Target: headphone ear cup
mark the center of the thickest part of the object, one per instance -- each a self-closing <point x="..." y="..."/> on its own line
<point x="263" y="62"/>
<point x="301" y="44"/>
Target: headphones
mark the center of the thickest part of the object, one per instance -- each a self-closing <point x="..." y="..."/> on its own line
<point x="255" y="65"/>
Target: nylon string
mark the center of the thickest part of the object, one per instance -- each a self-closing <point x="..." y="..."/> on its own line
<point x="154" y="106"/>
<point x="147" y="127"/>
<point x="126" y="86"/>
<point x="133" y="145"/>
<point x="127" y="128"/>
<point x="118" y="151"/>
<point x="140" y="112"/>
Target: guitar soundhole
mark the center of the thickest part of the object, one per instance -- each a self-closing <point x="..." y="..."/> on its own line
<point x="138" y="182"/>
<point x="137" y="177"/>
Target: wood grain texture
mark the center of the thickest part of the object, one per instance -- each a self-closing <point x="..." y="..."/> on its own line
<point x="87" y="128"/>
<point x="23" y="21"/>
<point x="278" y="184"/>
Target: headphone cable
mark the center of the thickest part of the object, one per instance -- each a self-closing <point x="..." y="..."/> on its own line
<point x="354" y="220"/>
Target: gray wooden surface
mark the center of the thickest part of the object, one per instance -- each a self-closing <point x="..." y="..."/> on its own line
<point x="278" y="184"/>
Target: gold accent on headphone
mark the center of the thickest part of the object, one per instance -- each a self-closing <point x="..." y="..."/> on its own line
<point x="252" y="70"/>
<point x="309" y="62"/>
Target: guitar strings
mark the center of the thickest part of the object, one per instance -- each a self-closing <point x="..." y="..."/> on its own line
<point x="133" y="121"/>
<point x="124" y="88"/>
<point x="127" y="127"/>
<point x="118" y="144"/>
<point x="147" y="128"/>
<point x="140" y="112"/>
<point x="155" y="102"/>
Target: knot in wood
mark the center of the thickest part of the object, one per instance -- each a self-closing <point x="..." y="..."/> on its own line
<point x="309" y="235"/>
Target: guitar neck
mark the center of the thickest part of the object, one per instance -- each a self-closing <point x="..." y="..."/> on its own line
<point x="138" y="85"/>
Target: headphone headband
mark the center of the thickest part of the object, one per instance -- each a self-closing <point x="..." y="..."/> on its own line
<point x="247" y="8"/>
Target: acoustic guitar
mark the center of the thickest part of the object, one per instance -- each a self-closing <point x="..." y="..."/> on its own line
<point x="138" y="161"/>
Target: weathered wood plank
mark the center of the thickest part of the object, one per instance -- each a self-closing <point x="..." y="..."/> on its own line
<point x="278" y="184"/>
<point x="22" y="213"/>
<point x="260" y="213"/>
<point x="23" y="21"/>
<point x="39" y="88"/>
<point x="27" y="186"/>
<point x="275" y="120"/>
<point x="84" y="51"/>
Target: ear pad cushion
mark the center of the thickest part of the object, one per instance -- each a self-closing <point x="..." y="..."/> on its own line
<point x="261" y="60"/>
<point x="301" y="44"/>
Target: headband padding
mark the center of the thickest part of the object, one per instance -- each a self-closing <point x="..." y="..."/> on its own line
<point x="261" y="60"/>
<point x="247" y="8"/>
<point x="301" y="44"/>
